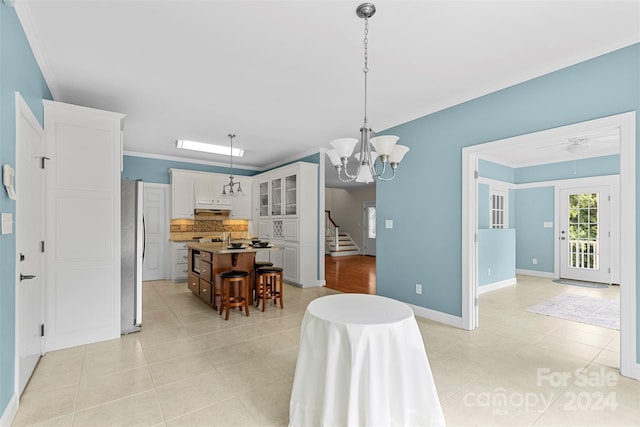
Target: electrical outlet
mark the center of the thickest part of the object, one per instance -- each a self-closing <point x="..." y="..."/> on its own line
<point x="418" y="288"/>
<point x="488" y="272"/>
<point x="534" y="261"/>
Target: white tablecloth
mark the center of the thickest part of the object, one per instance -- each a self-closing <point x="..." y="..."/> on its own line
<point x="362" y="362"/>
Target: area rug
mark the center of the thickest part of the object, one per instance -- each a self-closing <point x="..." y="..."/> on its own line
<point x="584" y="309"/>
<point x="580" y="283"/>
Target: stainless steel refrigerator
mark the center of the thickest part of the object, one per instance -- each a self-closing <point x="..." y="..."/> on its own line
<point x="132" y="255"/>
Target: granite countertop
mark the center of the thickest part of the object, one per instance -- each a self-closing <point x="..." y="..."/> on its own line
<point x="221" y="248"/>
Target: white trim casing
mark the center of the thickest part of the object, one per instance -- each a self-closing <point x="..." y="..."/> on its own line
<point x="469" y="319"/>
<point x="628" y="304"/>
<point x="626" y="122"/>
<point x="10" y="412"/>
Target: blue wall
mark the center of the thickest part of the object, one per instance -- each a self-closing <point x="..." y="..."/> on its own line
<point x="497" y="253"/>
<point x="496" y="171"/>
<point x="18" y="72"/>
<point x="431" y="171"/>
<point x="157" y="170"/>
<point x="534" y="207"/>
<point x="483" y="206"/>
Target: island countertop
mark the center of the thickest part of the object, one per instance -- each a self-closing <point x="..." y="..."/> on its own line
<point x="222" y="248"/>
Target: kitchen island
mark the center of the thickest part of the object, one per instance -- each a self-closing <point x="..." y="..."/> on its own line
<point x="207" y="260"/>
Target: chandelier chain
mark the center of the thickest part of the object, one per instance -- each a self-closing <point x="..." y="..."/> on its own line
<point x="231" y="156"/>
<point x="366" y="46"/>
<point x="365" y="69"/>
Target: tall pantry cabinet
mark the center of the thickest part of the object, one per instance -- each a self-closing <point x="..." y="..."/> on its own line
<point x="82" y="248"/>
<point x="286" y="211"/>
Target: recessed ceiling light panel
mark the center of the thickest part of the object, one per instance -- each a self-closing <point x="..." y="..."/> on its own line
<point x="186" y="144"/>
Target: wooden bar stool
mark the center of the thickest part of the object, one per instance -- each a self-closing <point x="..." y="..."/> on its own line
<point x="256" y="266"/>
<point x="269" y="285"/>
<point x="239" y="299"/>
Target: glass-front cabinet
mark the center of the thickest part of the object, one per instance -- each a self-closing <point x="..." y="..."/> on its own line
<point x="263" y="191"/>
<point x="279" y="196"/>
<point x="276" y="196"/>
<point x="290" y="200"/>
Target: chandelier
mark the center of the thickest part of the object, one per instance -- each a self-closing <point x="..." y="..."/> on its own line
<point x="383" y="148"/>
<point x="230" y="190"/>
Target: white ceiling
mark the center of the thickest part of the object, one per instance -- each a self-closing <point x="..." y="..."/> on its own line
<point x="286" y="76"/>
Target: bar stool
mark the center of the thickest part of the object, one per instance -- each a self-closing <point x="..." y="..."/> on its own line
<point x="269" y="285"/>
<point x="227" y="300"/>
<point x="256" y="266"/>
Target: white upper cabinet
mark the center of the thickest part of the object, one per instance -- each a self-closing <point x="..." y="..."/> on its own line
<point x="278" y="194"/>
<point x="209" y="191"/>
<point x="241" y="206"/>
<point x="183" y="199"/>
<point x="202" y="190"/>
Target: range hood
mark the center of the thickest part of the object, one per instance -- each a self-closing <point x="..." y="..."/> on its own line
<point x="211" y="214"/>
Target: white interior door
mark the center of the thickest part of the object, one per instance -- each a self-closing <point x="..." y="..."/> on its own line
<point x="369" y="232"/>
<point x="29" y="235"/>
<point x="83" y="225"/>
<point x="155" y="232"/>
<point x="585" y="234"/>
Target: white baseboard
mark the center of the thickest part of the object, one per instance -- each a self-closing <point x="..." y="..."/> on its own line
<point x="308" y="284"/>
<point x="437" y="316"/>
<point x="10" y="412"/>
<point x="636" y="372"/>
<point x="497" y="285"/>
<point x="535" y="273"/>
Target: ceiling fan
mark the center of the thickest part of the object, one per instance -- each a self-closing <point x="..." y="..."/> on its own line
<point x="580" y="144"/>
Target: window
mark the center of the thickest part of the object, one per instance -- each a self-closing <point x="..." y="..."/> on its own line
<point x="371" y="219"/>
<point x="498" y="213"/>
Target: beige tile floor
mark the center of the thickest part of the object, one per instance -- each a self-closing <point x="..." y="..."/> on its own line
<point x="188" y="367"/>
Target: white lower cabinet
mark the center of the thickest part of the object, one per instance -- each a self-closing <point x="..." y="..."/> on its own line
<point x="290" y="262"/>
<point x="276" y="257"/>
<point x="179" y="268"/>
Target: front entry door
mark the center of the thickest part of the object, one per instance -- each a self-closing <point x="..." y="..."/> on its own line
<point x="369" y="232"/>
<point x="29" y="238"/>
<point x="585" y="234"/>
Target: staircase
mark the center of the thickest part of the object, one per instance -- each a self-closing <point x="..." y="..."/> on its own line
<point x="338" y="243"/>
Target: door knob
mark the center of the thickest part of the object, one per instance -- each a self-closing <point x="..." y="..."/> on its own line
<point x="26" y="276"/>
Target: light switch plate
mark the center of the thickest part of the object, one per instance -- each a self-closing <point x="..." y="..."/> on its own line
<point x="388" y="223"/>
<point x="7" y="223"/>
<point x="548" y="225"/>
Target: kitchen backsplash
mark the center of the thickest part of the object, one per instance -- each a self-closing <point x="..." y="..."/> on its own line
<point x="184" y="229"/>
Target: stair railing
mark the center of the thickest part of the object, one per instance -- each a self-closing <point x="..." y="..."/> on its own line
<point x="331" y="231"/>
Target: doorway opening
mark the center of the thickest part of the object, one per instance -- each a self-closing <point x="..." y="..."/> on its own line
<point x="369" y="229"/>
<point x="625" y="125"/>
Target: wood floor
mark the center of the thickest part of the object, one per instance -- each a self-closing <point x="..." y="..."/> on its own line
<point x="352" y="274"/>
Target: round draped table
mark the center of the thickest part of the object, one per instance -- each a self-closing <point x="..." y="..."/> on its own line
<point x="362" y="362"/>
